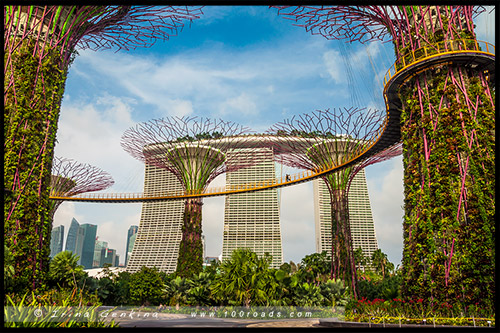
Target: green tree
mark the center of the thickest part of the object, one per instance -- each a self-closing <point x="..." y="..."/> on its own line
<point x="146" y="287"/>
<point x="359" y="258"/>
<point x="245" y="279"/>
<point x="380" y="262"/>
<point x="334" y="293"/>
<point x="64" y="269"/>
<point x="315" y="267"/>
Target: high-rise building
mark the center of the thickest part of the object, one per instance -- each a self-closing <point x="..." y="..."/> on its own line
<point x="81" y="241"/>
<point x="88" y="245"/>
<point x="99" y="245"/>
<point x="75" y="238"/>
<point x="108" y="256"/>
<point x="252" y="220"/>
<point x="131" y="236"/>
<point x="159" y="233"/>
<point x="360" y="216"/>
<point x="72" y="235"/>
<point x="56" y="240"/>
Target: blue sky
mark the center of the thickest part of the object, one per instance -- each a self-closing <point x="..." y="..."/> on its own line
<point x="239" y="63"/>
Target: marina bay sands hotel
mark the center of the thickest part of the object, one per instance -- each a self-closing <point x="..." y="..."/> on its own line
<point x="251" y="220"/>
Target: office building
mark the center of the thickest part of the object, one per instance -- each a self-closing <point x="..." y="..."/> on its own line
<point x="71" y="238"/>
<point x="360" y="216"/>
<point x="75" y="238"/>
<point x="131" y="236"/>
<point x="252" y="220"/>
<point x="56" y="240"/>
<point x="159" y="233"/>
<point x="108" y="257"/>
<point x="88" y="245"/>
<point x="99" y="245"/>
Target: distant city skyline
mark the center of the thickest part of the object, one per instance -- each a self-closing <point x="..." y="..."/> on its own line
<point x="83" y="240"/>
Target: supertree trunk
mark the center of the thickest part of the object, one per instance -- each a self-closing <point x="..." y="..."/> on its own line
<point x="447" y="125"/>
<point x="190" y="260"/>
<point x="31" y="113"/>
<point x="343" y="265"/>
<point x="39" y="45"/>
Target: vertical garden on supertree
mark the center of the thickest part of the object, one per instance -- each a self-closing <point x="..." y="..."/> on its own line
<point x="321" y="140"/>
<point x="40" y="42"/>
<point x="447" y="122"/>
<point x="70" y="177"/>
<point x="193" y="149"/>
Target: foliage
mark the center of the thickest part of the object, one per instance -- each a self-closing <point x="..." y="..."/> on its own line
<point x="146" y="287"/>
<point x="380" y="262"/>
<point x="417" y="311"/>
<point x="245" y="279"/>
<point x="64" y="269"/>
<point x="449" y="223"/>
<point x="190" y="259"/>
<point x="31" y="111"/>
<point x="20" y="311"/>
<point x="315" y="268"/>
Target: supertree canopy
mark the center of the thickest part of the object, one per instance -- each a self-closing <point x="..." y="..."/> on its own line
<point x="323" y="139"/>
<point x="193" y="149"/>
<point x="447" y="121"/>
<point x="70" y="177"/>
<point x="40" y="43"/>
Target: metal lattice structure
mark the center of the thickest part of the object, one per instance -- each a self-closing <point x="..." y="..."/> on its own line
<point x="70" y="177"/>
<point x="323" y="139"/>
<point x="194" y="150"/>
<point x="40" y="43"/>
<point x="444" y="90"/>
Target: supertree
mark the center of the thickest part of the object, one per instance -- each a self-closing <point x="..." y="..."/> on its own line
<point x="40" y="42"/>
<point x="321" y="140"/>
<point x="70" y="177"/>
<point x="443" y="92"/>
<point x="193" y="149"/>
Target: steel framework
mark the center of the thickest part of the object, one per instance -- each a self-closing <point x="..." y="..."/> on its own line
<point x="70" y="177"/>
<point x="194" y="150"/>
<point x="323" y="139"/>
<point x="447" y="128"/>
<point x="40" y="43"/>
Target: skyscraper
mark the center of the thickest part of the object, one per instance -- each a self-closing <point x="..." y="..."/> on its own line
<point x="81" y="241"/>
<point x="88" y="245"/>
<point x="99" y="245"/>
<point x="252" y="220"/>
<point x="108" y="256"/>
<point x="75" y="238"/>
<point x="72" y="235"/>
<point x="360" y="216"/>
<point x="159" y="232"/>
<point x="56" y="240"/>
<point x="131" y="236"/>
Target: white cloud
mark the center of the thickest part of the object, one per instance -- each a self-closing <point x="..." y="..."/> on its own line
<point x="334" y="65"/>
<point x="242" y="104"/>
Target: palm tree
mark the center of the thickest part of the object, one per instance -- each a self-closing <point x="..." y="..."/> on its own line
<point x="380" y="261"/>
<point x="64" y="269"/>
<point x="359" y="258"/>
<point x="244" y="279"/>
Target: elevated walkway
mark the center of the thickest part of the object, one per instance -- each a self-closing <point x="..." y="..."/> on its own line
<point x="476" y="54"/>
